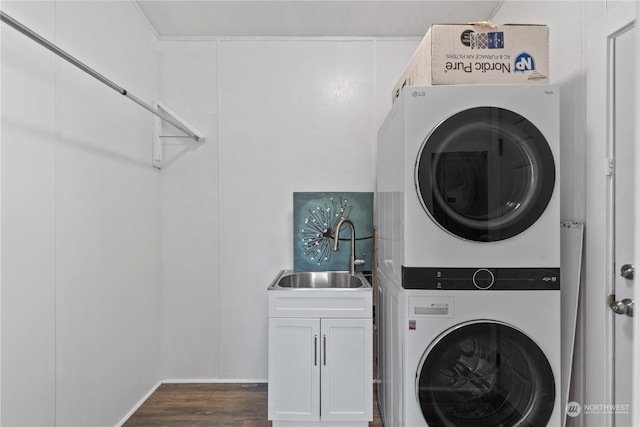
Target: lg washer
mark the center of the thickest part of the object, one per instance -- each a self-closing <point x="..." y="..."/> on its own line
<point x="468" y="177"/>
<point x="469" y="358"/>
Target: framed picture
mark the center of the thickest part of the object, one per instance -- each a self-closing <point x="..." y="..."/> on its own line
<point x="315" y="217"/>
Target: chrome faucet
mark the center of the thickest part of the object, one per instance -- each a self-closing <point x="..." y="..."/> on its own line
<point x="352" y="257"/>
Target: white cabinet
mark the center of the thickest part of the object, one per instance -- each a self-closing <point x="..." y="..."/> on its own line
<point x="347" y="370"/>
<point x="321" y="370"/>
<point x="294" y="369"/>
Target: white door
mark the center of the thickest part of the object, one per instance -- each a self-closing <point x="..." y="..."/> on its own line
<point x="612" y="55"/>
<point x="294" y="369"/>
<point x="623" y="76"/>
<point x="347" y="369"/>
<point x="635" y="352"/>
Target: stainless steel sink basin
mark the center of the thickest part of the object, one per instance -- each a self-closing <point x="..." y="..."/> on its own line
<point x="319" y="280"/>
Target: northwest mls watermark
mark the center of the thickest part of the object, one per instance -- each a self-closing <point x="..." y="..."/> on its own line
<point x="574" y="409"/>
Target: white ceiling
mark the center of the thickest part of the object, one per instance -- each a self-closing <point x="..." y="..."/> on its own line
<point x="177" y="19"/>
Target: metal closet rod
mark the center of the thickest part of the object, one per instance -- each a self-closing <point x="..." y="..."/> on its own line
<point x="61" y="53"/>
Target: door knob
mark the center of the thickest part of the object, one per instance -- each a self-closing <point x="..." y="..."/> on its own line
<point x="623" y="307"/>
<point x="627" y="271"/>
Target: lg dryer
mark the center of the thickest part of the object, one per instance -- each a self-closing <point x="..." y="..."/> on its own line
<point x="468" y="177"/>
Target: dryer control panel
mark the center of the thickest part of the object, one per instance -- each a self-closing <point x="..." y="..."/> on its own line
<point x="481" y="278"/>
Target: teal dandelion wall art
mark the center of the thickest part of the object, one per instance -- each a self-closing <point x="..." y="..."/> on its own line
<point x="315" y="217"/>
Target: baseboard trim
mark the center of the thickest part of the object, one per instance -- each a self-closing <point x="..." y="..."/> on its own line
<point x="138" y="404"/>
<point x="213" y="381"/>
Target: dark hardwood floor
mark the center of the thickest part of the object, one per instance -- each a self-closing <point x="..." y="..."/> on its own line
<point x="212" y="405"/>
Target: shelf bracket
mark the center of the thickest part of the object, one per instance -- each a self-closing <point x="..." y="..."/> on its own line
<point x="164" y="111"/>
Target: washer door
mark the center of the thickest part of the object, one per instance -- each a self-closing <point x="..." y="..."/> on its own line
<point x="485" y="374"/>
<point x="485" y="174"/>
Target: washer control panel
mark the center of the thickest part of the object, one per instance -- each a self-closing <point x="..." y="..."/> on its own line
<point x="481" y="278"/>
<point x="431" y="306"/>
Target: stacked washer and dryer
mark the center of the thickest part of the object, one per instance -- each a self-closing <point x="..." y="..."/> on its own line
<point x="468" y="218"/>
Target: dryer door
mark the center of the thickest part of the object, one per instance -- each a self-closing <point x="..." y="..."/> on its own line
<point x="485" y="374"/>
<point x="485" y="174"/>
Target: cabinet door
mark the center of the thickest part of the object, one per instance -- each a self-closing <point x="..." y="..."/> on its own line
<point x="294" y="369"/>
<point x="347" y="370"/>
<point x="381" y="334"/>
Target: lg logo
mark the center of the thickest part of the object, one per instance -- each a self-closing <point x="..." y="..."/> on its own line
<point x="573" y="409"/>
<point x="416" y="93"/>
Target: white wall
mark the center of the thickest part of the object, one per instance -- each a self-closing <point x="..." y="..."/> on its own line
<point x="190" y="188"/>
<point x="27" y="293"/>
<point x="280" y="116"/>
<point x="81" y="246"/>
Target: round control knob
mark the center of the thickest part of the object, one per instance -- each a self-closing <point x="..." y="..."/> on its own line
<point x="483" y="278"/>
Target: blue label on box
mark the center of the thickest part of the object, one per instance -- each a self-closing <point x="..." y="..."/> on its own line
<point x="496" y="40"/>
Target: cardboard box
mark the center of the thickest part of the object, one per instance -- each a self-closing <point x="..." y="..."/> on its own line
<point x="479" y="53"/>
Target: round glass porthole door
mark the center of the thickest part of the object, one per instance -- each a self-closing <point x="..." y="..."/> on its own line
<point x="485" y="174"/>
<point x="485" y="375"/>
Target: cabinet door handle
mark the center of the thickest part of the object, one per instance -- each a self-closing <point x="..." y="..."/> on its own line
<point x="324" y="349"/>
<point x="315" y="350"/>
